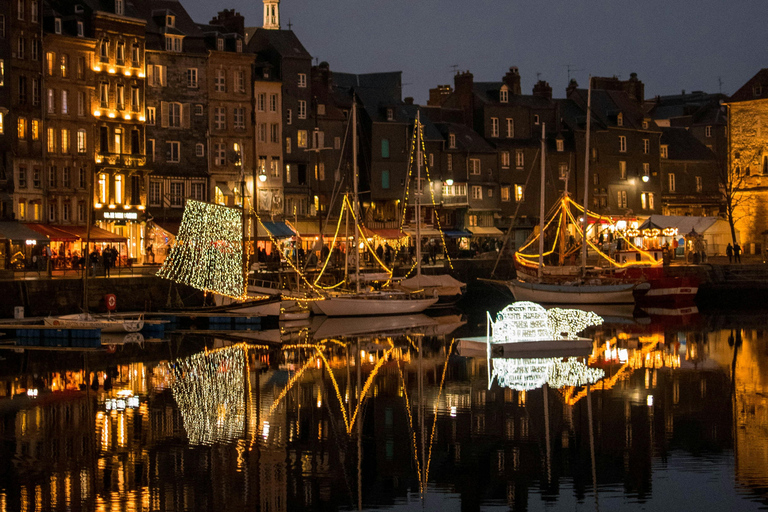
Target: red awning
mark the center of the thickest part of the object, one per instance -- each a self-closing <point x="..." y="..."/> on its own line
<point x="97" y="234"/>
<point x="53" y="233"/>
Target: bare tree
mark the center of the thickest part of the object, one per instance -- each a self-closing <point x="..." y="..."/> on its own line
<point x="733" y="191"/>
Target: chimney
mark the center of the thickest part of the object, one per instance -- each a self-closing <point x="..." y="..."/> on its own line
<point x="322" y="76"/>
<point x="635" y="88"/>
<point x="542" y="89"/>
<point x="438" y="95"/>
<point x="512" y="79"/>
<point x="464" y="84"/>
<point x="232" y="21"/>
<point x="408" y="100"/>
<point x="572" y="86"/>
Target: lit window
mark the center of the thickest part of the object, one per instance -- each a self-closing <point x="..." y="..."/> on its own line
<point x="623" y="169"/>
<point x="664" y="151"/>
<point x="620" y="119"/>
<point x="170" y="20"/>
<point x="119" y="189"/>
<point x="103" y="181"/>
<point x="22" y="128"/>
<point x="505" y="193"/>
<point x="504" y="94"/>
<point x="301" y="138"/>
<point x="519" y="192"/>
<point x="560" y="143"/>
<point x="81" y="141"/>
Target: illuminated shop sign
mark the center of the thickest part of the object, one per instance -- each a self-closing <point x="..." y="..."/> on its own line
<point x="121" y="215"/>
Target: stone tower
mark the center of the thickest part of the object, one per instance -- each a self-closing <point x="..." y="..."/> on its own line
<point x="271" y="15"/>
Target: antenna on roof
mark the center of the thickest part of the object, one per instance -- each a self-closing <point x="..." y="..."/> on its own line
<point x="454" y="67"/>
<point x="720" y="84"/>
<point x="570" y="69"/>
<point x="538" y="76"/>
<point x="289" y="24"/>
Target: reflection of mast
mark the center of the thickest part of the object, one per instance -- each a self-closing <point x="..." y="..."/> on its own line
<point x="421" y="424"/>
<point x="358" y="364"/>
<point x="546" y="431"/>
<point x="592" y="446"/>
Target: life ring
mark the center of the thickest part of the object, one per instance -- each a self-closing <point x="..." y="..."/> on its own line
<point x="111" y="301"/>
<point x="55" y="322"/>
<point x="111" y="348"/>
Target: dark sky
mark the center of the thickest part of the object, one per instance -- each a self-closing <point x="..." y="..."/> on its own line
<point x="671" y="44"/>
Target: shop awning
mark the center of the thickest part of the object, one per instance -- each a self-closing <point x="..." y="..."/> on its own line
<point x="456" y="234"/>
<point x="277" y="229"/>
<point x="52" y="233"/>
<point x="97" y="234"/>
<point x="485" y="231"/>
<point x="12" y="230"/>
<point x="222" y="185"/>
<point x="384" y="233"/>
<point x="425" y="231"/>
<point x="307" y="228"/>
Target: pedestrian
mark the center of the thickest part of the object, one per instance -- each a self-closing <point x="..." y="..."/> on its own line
<point x="387" y="253"/>
<point x="737" y="253"/>
<point x="380" y="252"/>
<point x="729" y="253"/>
<point x="150" y="253"/>
<point x="107" y="256"/>
<point x="94" y="257"/>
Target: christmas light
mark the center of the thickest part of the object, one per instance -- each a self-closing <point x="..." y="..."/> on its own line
<point x="208" y="253"/>
<point x="529" y="374"/>
<point x="528" y="321"/>
<point x="209" y="389"/>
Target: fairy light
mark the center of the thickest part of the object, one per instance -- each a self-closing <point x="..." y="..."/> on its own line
<point x="520" y="374"/>
<point x="208" y="254"/>
<point x="567" y="323"/>
<point x="209" y="389"/>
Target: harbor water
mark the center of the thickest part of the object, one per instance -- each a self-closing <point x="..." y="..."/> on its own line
<point x="271" y="418"/>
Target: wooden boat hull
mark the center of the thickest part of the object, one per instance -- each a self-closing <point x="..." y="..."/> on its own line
<point x="543" y="293"/>
<point x="372" y="305"/>
<point x="83" y="321"/>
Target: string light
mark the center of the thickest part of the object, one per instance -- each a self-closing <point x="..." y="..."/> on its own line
<point x="529" y="374"/>
<point x="209" y="389"/>
<point x="208" y="253"/>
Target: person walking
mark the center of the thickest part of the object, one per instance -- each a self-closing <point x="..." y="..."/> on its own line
<point x="737" y="253"/>
<point x="107" y="256"/>
<point x="729" y="253"/>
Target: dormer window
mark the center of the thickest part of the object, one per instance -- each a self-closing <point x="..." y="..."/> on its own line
<point x="757" y="90"/>
<point x="119" y="7"/>
<point x="536" y="119"/>
<point x="239" y="46"/>
<point x="80" y="29"/>
<point x="220" y="44"/>
<point x="57" y="25"/>
<point x="390" y="114"/>
<point x="173" y="43"/>
<point x="452" y="140"/>
<point x="645" y="124"/>
<point x="170" y="20"/>
<point x="504" y="94"/>
<point x="620" y="119"/>
<point x="664" y="151"/>
<point x="560" y="145"/>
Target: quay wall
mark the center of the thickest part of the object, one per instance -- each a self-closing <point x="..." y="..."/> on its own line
<point x="42" y="297"/>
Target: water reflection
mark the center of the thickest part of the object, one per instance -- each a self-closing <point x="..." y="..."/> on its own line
<point x="397" y="421"/>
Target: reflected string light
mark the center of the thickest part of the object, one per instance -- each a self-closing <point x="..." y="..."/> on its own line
<point x="209" y="389"/>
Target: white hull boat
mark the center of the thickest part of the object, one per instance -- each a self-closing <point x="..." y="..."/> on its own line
<point x="105" y="323"/>
<point x="544" y="293"/>
<point x="372" y="304"/>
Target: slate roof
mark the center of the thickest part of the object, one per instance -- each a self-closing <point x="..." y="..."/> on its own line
<point x="284" y="42"/>
<point x="746" y="92"/>
<point x="376" y="92"/>
<point x="488" y="92"/>
<point x="606" y="105"/>
<point x="154" y="11"/>
<point x="701" y="107"/>
<point x="467" y="139"/>
<point x="684" y="146"/>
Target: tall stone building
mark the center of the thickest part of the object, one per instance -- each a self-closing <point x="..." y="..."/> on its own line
<point x="6" y="128"/>
<point x="24" y="120"/>
<point x="118" y="104"/>
<point x="230" y="94"/>
<point x="69" y="134"/>
<point x="292" y="65"/>
<point x="177" y="111"/>
<point x="748" y="160"/>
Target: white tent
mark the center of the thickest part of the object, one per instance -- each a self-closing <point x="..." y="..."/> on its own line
<point x="716" y="231"/>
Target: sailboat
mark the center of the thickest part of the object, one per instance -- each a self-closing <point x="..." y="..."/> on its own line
<point x="368" y="303"/>
<point x="559" y="284"/>
<point x="446" y="288"/>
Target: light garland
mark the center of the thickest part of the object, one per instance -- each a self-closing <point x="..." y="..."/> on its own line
<point x="209" y="389"/>
<point x="529" y="374"/>
<point x="566" y="324"/>
<point x="208" y="253"/>
<point x="525" y="321"/>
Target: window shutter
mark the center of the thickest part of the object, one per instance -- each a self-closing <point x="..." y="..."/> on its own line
<point x="165" y="75"/>
<point x="151" y="75"/>
<point x="185" y="115"/>
<point x="164" y="114"/>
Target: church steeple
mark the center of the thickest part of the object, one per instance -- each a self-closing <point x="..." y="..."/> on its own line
<point x="271" y="15"/>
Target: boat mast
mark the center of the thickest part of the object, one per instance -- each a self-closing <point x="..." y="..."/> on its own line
<point x="418" y="192"/>
<point x="586" y="182"/>
<point x="541" y="204"/>
<point x="357" y="201"/>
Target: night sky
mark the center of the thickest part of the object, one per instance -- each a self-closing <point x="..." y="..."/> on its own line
<point x="671" y="44"/>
